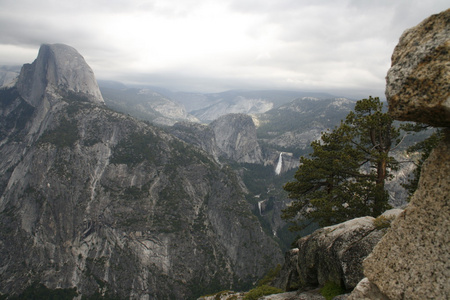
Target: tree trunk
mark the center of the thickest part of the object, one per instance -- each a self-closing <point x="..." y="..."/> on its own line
<point x="381" y="197"/>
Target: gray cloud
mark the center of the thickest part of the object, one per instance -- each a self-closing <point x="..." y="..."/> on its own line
<point x="204" y="45"/>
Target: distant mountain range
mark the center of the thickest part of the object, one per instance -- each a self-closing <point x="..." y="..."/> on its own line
<point x="165" y="107"/>
<point x="97" y="204"/>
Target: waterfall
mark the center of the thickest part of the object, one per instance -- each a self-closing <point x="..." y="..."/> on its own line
<point x="259" y="206"/>
<point x="279" y="165"/>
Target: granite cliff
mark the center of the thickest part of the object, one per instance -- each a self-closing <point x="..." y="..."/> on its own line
<point x="94" y="200"/>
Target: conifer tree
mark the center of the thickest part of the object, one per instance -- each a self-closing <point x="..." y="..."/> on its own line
<point x="424" y="147"/>
<point x="344" y="176"/>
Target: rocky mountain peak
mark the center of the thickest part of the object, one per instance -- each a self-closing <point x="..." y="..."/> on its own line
<point x="96" y="203"/>
<point x="57" y="69"/>
<point x="236" y="138"/>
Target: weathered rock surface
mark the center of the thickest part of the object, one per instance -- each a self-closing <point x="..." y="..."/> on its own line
<point x="288" y="279"/>
<point x="200" y="135"/>
<point x="333" y="253"/>
<point x="309" y="295"/>
<point x="225" y="295"/>
<point x="96" y="200"/>
<point x="230" y="295"/>
<point x="366" y="290"/>
<point x="412" y="261"/>
<point x="232" y="137"/>
<point x="58" y="69"/>
<point x="418" y="82"/>
<point x="336" y="253"/>
<point x="235" y="136"/>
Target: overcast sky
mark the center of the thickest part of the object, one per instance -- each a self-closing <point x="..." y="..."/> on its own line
<point x="213" y="45"/>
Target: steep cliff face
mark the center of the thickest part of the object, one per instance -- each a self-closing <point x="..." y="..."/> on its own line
<point x="93" y="199"/>
<point x="236" y="139"/>
<point x="200" y="135"/>
<point x="58" y="69"/>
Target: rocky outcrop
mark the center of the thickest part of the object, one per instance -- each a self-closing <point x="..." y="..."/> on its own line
<point x="231" y="137"/>
<point x="224" y="295"/>
<point x="58" y="69"/>
<point x="412" y="261"/>
<point x="366" y="290"/>
<point x="94" y="200"/>
<point x="308" y="295"/>
<point x="333" y="253"/>
<point x="288" y="279"/>
<point x="200" y="135"/>
<point x="235" y="136"/>
<point x="418" y="82"/>
<point x="230" y="295"/>
<point x="336" y="253"/>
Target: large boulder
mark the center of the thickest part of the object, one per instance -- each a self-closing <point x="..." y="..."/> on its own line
<point x="418" y="82"/>
<point x="366" y="290"/>
<point x="412" y="261"/>
<point x="333" y="253"/>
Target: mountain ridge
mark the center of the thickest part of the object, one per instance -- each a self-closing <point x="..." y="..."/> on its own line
<point x="95" y="200"/>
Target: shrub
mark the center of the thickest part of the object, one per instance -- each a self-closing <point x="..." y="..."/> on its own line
<point x="260" y="291"/>
<point x="40" y="291"/>
<point x="331" y="289"/>
<point x="65" y="135"/>
<point x="383" y="222"/>
<point x="270" y="275"/>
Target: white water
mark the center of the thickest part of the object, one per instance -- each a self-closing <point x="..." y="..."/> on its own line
<point x="279" y="165"/>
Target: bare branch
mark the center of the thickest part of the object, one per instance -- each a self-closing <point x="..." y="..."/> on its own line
<point x="399" y="142"/>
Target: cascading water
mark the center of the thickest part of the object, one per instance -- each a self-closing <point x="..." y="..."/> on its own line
<point x="280" y="164"/>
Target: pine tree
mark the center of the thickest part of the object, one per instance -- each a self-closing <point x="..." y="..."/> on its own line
<point x="424" y="147"/>
<point x="344" y="176"/>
